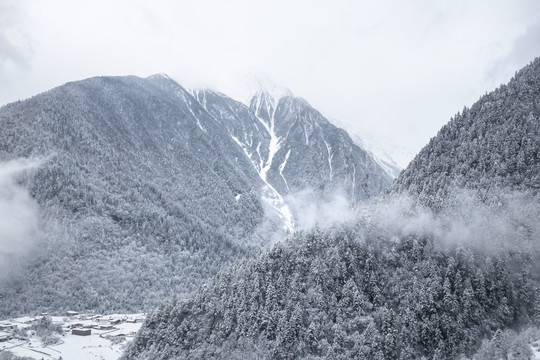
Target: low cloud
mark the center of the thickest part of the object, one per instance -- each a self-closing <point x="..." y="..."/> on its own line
<point x="306" y="209"/>
<point x="19" y="217"/>
<point x="310" y="209"/>
<point x="507" y="221"/>
<point x="500" y="221"/>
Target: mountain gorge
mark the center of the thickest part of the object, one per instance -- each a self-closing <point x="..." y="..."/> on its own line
<point x="448" y="257"/>
<point x="144" y="190"/>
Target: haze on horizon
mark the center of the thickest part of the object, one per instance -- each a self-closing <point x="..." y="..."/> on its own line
<point x="397" y="71"/>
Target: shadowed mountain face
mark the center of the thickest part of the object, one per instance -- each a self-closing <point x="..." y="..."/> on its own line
<point x="145" y="190"/>
<point x="493" y="146"/>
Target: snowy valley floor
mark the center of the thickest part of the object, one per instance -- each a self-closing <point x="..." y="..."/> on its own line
<point x="108" y="337"/>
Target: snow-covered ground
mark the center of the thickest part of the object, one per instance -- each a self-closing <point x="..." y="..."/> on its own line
<point x="535" y="346"/>
<point x="109" y="336"/>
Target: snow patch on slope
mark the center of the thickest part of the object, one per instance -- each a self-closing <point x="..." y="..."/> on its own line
<point x="330" y="156"/>
<point x="270" y="105"/>
<point x="282" y="166"/>
<point x="269" y="193"/>
<point x="200" y="95"/>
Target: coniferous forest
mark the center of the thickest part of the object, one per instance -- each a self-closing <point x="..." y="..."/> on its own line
<point x="442" y="266"/>
<point x="145" y="196"/>
<point x="139" y="190"/>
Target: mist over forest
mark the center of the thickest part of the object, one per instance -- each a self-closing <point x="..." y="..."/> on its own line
<point x="262" y="230"/>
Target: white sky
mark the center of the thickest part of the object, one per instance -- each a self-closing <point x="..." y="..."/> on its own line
<point x="395" y="69"/>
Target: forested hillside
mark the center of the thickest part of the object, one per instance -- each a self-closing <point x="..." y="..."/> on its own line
<point x="140" y="191"/>
<point x="407" y="279"/>
<point x="135" y="200"/>
<point x="365" y="291"/>
<point x="492" y="146"/>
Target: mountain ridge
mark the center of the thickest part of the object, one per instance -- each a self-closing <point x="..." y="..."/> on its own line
<point x="147" y="185"/>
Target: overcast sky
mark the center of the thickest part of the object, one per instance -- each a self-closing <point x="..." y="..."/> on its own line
<point x="395" y="69"/>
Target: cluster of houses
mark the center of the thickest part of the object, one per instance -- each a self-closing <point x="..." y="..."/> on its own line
<point x="96" y="322"/>
<point x="75" y="323"/>
<point x="83" y="336"/>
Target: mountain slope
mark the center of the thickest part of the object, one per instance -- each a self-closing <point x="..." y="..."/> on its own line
<point x="306" y="150"/>
<point x="141" y="190"/>
<point x="131" y="188"/>
<point x="252" y="137"/>
<point x="356" y="293"/>
<point x="492" y="146"/>
<point x="293" y="147"/>
<point x="403" y="282"/>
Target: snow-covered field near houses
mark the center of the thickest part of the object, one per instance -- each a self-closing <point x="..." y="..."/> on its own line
<point x="109" y="334"/>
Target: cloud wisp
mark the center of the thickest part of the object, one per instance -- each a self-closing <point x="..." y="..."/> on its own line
<point x="508" y="221"/>
<point x="19" y="214"/>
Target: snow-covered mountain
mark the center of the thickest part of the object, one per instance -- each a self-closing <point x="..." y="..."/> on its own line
<point x="306" y="150"/>
<point x="391" y="158"/>
<point x="401" y="281"/>
<point x="293" y="147"/>
<point x="145" y="190"/>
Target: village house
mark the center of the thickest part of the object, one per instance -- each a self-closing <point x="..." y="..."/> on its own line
<point x="7" y="326"/>
<point x="81" y="332"/>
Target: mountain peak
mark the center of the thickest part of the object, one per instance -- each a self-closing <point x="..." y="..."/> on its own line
<point x="272" y="94"/>
<point x="261" y="86"/>
<point x="162" y="76"/>
<point x="164" y="80"/>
